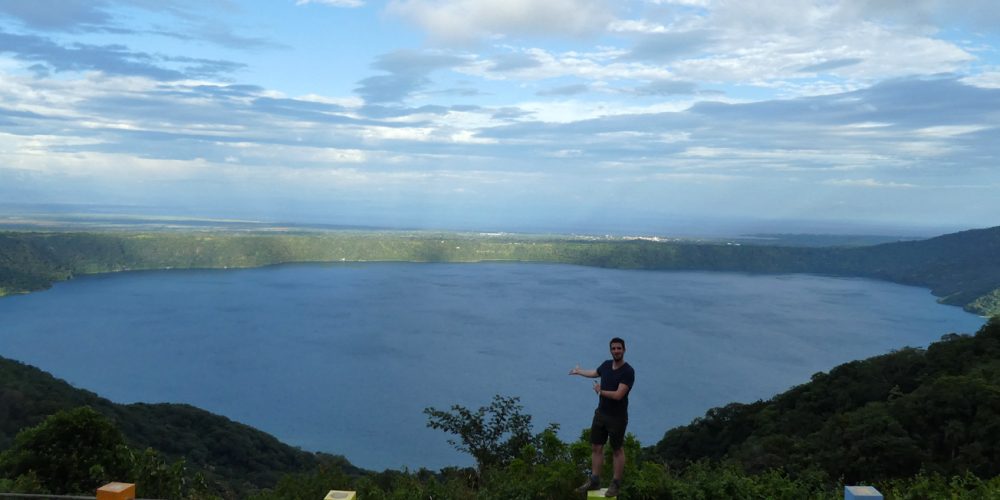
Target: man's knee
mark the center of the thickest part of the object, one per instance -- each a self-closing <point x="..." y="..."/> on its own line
<point x="597" y="448"/>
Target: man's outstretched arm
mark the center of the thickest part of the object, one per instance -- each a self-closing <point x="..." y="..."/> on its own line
<point x="583" y="373"/>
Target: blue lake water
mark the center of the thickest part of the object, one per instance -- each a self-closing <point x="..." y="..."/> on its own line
<point x="344" y="358"/>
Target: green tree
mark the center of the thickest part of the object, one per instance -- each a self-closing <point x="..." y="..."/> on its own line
<point x="493" y="434"/>
<point x="155" y="478"/>
<point x="72" y="451"/>
<point x="313" y="484"/>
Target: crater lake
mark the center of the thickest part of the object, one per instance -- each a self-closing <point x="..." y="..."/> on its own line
<point x="343" y="358"/>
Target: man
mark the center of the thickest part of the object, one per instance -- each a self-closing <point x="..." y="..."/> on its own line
<point x="611" y="415"/>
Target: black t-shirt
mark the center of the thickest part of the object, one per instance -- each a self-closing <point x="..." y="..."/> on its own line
<point x="610" y="378"/>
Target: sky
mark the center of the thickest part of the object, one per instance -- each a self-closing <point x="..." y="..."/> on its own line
<point x="632" y="115"/>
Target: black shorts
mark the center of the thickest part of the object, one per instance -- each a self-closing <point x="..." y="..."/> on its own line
<point x="605" y="426"/>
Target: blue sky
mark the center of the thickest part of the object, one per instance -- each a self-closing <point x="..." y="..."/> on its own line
<point x="644" y="115"/>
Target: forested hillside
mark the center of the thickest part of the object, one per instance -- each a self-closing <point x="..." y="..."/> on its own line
<point x="233" y="456"/>
<point x="891" y="416"/>
<point x="961" y="268"/>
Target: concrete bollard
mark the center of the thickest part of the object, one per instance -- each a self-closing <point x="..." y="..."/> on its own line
<point x="861" y="493"/>
<point x="341" y="495"/>
<point x="116" y="491"/>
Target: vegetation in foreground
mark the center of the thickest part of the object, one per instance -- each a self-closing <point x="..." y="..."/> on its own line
<point x="916" y="423"/>
<point x="233" y="458"/>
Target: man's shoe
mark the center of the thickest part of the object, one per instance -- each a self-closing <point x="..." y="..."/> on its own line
<point x="613" y="490"/>
<point x="591" y="484"/>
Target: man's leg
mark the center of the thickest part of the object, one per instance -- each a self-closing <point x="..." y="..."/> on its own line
<point x="596" y="462"/>
<point x="617" y="434"/>
<point x="619" y="463"/>
<point x="598" y="436"/>
<point x="597" y="459"/>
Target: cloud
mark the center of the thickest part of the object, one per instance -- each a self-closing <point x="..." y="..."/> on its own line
<point x="635" y="26"/>
<point x="774" y="57"/>
<point x="333" y="3"/>
<point x="220" y="34"/>
<point x="665" y="47"/>
<point x="935" y="124"/>
<point x="111" y="59"/>
<point x="831" y="64"/>
<point x="417" y="62"/>
<point x="869" y="183"/>
<point x="408" y="72"/>
<point x="510" y="113"/>
<point x="182" y="132"/>
<point x="801" y="48"/>
<point x="514" y="62"/>
<point x="819" y="96"/>
<point x="986" y="79"/>
<point x="913" y="102"/>
<point x="463" y="21"/>
<point x="604" y="64"/>
<point x="977" y="14"/>
<point x="196" y="68"/>
<point x="565" y="90"/>
<point x="784" y="43"/>
<point x="905" y="128"/>
<point x="189" y="19"/>
<point x="390" y="88"/>
<point x="114" y="59"/>
<point x="58" y="15"/>
<point x="666" y="88"/>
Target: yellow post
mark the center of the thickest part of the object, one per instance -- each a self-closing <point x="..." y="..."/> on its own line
<point x="341" y="495"/>
<point x="116" y="491"/>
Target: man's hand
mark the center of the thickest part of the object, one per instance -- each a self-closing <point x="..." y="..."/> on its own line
<point x="597" y="388"/>
<point x="575" y="370"/>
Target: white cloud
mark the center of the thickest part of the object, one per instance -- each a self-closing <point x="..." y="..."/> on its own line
<point x="695" y="177"/>
<point x="986" y="80"/>
<point x="574" y="110"/>
<point x="774" y="57"/>
<point x="599" y="65"/>
<point x="636" y="26"/>
<point x="794" y="47"/>
<point x="470" y="137"/>
<point x="334" y="3"/>
<point x="946" y="131"/>
<point x="470" y="20"/>
<point x="801" y="47"/>
<point x="565" y="153"/>
<point x="378" y="134"/>
<point x="869" y="183"/>
<point x="926" y="14"/>
<point x="689" y="3"/>
<point x="274" y="154"/>
<point x="110" y="168"/>
<point x="790" y="160"/>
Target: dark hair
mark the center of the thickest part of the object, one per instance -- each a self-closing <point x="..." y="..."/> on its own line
<point x="617" y="340"/>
